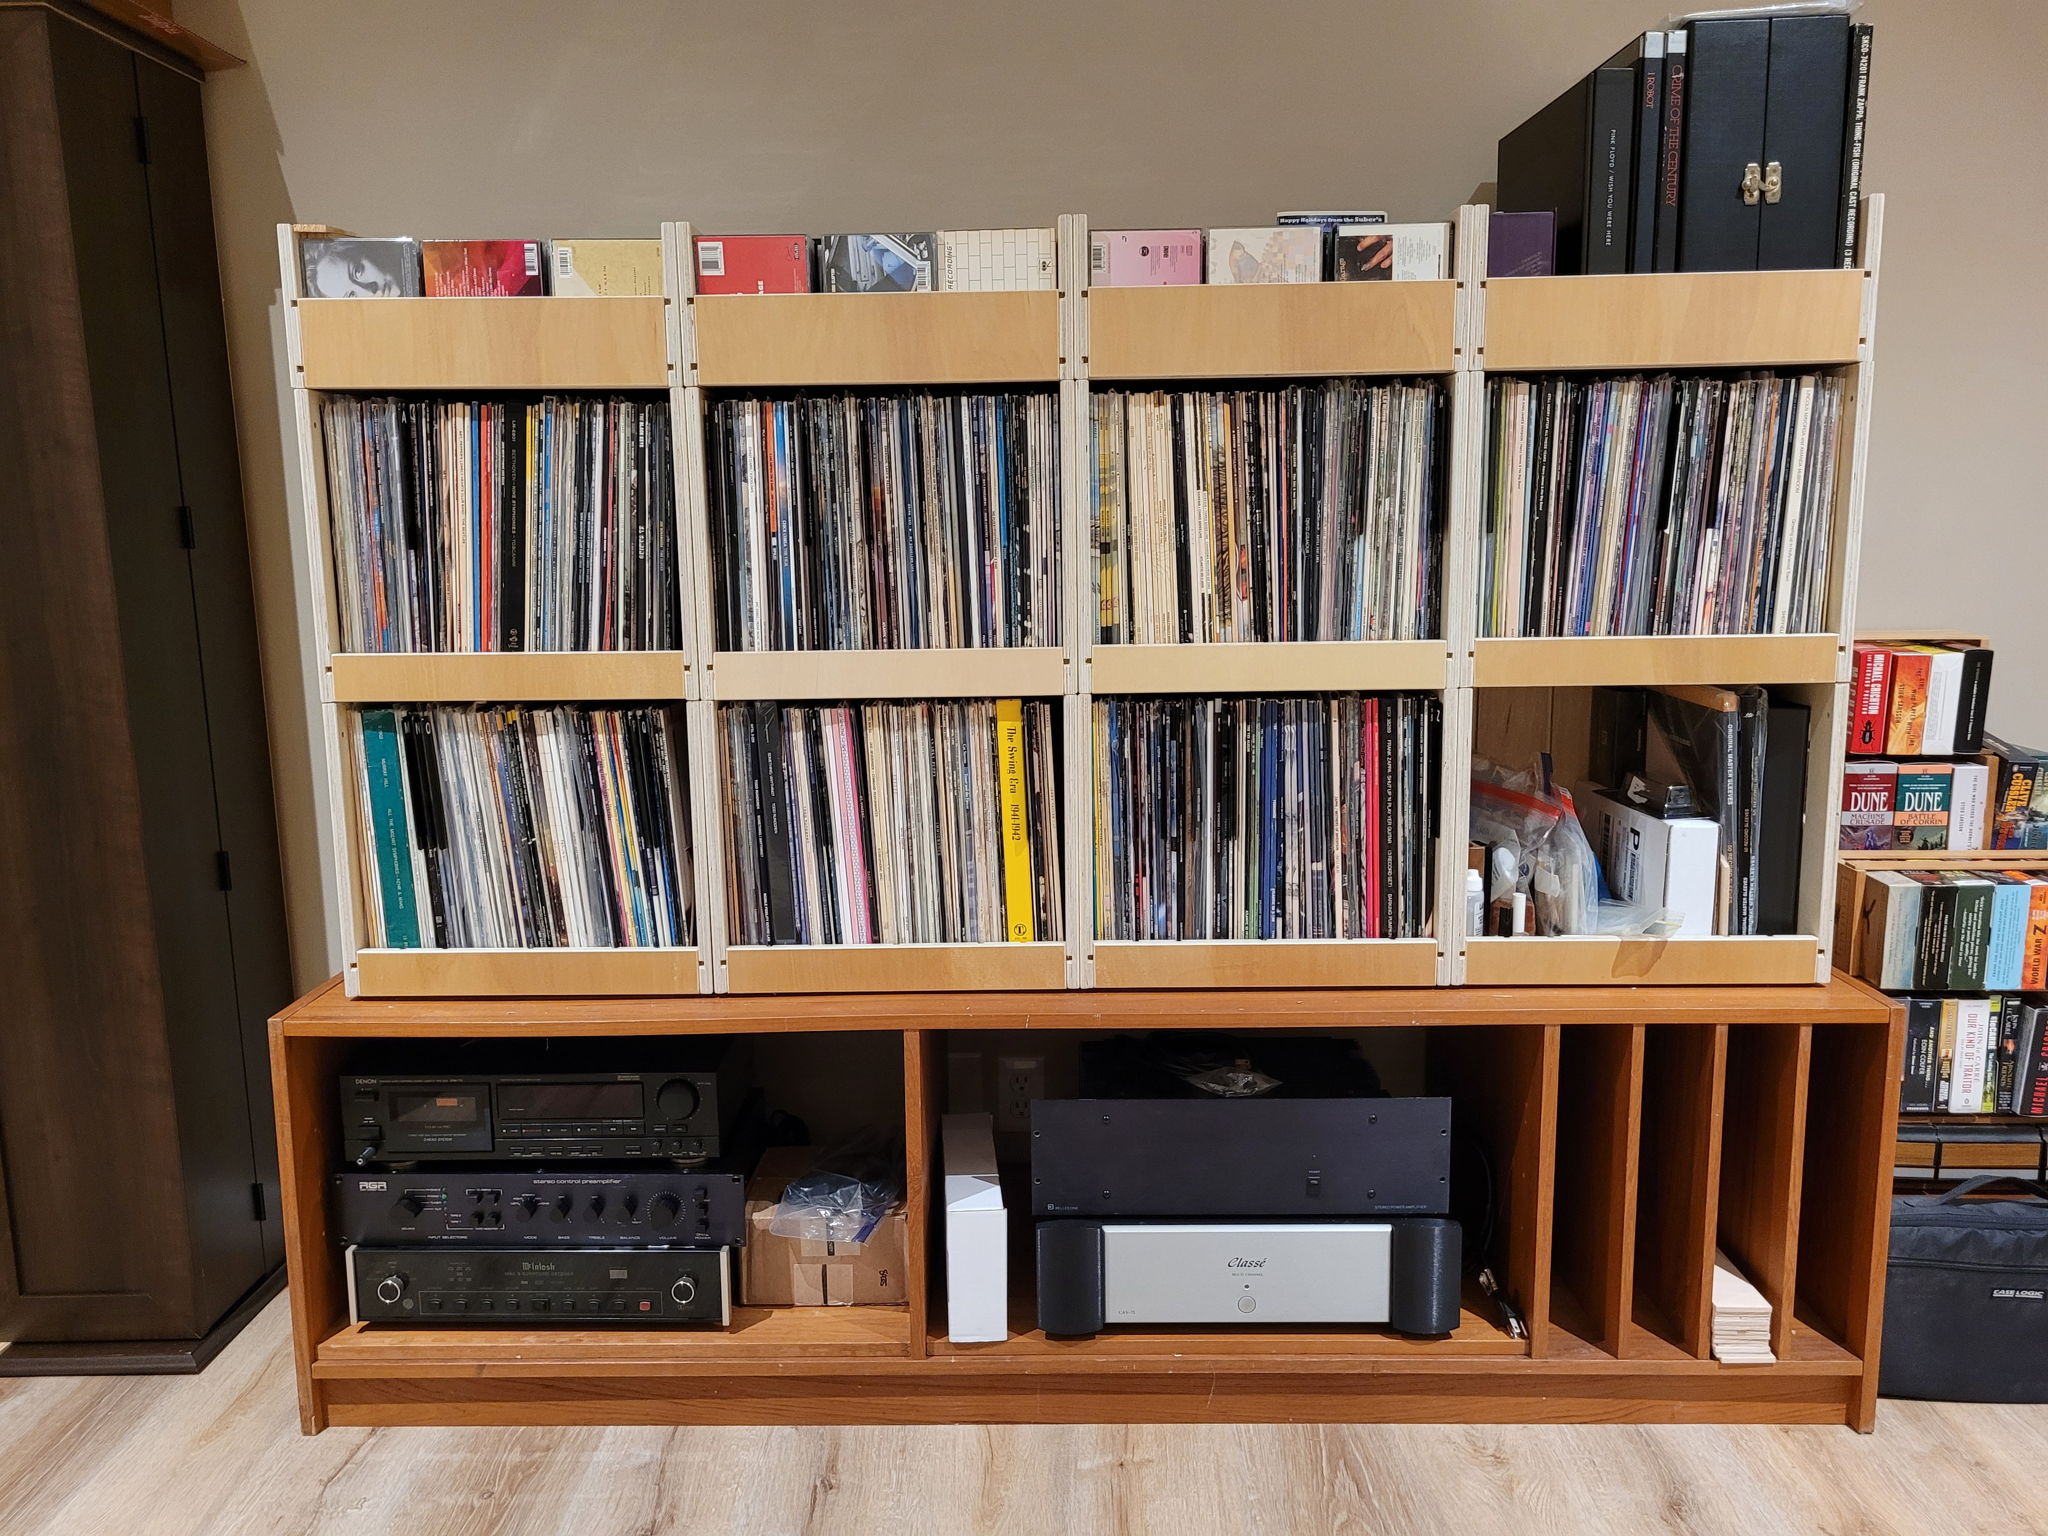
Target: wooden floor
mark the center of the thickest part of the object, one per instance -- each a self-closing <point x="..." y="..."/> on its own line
<point x="221" y="1453"/>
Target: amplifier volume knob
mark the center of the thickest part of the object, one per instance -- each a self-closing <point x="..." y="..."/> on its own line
<point x="390" y="1288"/>
<point x="663" y="1210"/>
<point x="684" y="1291"/>
<point x="677" y="1100"/>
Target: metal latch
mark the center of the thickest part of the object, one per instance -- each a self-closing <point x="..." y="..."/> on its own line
<point x="1752" y="182"/>
<point x="1774" y="181"/>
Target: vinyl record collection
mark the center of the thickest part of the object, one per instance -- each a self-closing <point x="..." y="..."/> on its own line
<point x="922" y="823"/>
<point x="1658" y="505"/>
<point x="878" y="522"/>
<point x="502" y="525"/>
<point x="1265" y="818"/>
<point x="498" y="827"/>
<point x="1313" y="512"/>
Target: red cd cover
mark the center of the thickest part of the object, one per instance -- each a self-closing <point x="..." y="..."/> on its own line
<point x="753" y="264"/>
<point x="482" y="269"/>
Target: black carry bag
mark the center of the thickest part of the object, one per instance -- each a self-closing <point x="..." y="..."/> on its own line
<point x="1966" y="1297"/>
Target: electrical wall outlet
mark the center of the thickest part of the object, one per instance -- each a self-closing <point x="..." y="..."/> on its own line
<point x="1019" y="1080"/>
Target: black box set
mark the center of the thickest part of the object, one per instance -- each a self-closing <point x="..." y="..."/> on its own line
<point x="571" y="1182"/>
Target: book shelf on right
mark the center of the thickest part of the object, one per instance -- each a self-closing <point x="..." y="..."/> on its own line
<point x="1532" y="695"/>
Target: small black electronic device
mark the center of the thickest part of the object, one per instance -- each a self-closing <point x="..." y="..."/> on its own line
<point x="570" y="1287"/>
<point x="1401" y="1273"/>
<point x="500" y="1100"/>
<point x="528" y="1208"/>
<point x="1251" y="1157"/>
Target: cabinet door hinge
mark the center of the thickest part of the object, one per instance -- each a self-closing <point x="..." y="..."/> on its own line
<point x="188" y="536"/>
<point x="257" y="1203"/>
<point x="142" y="138"/>
<point x="221" y="869"/>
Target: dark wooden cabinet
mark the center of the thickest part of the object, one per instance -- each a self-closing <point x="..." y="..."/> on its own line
<point x="142" y="940"/>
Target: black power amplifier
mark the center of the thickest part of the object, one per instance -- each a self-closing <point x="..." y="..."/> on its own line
<point x="1220" y="1158"/>
<point x="501" y="1208"/>
<point x="575" y="1288"/>
<point x="492" y="1100"/>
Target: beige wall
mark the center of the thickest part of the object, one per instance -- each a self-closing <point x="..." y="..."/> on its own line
<point x="523" y="118"/>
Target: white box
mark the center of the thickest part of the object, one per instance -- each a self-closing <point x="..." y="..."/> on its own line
<point x="1654" y="862"/>
<point x="977" y="1232"/>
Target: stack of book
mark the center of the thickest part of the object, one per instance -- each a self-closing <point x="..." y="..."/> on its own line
<point x="1314" y="512"/>
<point x="502" y="525"/>
<point x="1897" y="806"/>
<point x="844" y="522"/>
<point x="1976" y="1056"/>
<point x="1742" y="1318"/>
<point x="1921" y="700"/>
<point x="1658" y="505"/>
<point x="1732" y="144"/>
<point x="501" y="827"/>
<point x="923" y="823"/>
<point x="2019" y="807"/>
<point x="398" y="266"/>
<point x="1953" y="930"/>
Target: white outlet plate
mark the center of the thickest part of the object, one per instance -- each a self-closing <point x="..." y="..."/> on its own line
<point x="1019" y="1080"/>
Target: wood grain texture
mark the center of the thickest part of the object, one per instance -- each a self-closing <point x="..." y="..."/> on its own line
<point x="1270" y="330"/>
<point x="747" y="340"/>
<point x="1763" y="1151"/>
<point x="530" y="343"/>
<point x="1684" y="1083"/>
<point x="1673" y="320"/>
<point x="1265" y="963"/>
<point x="328" y="1010"/>
<point x="1588" y="961"/>
<point x="422" y="973"/>
<point x="1599" y="1121"/>
<point x="512" y="676"/>
<point x="895" y="967"/>
<point x="991" y="672"/>
<point x="1280" y="667"/>
<point x="218" y="1455"/>
<point x="1649" y="660"/>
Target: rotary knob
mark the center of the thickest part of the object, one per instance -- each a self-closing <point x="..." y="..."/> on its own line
<point x="594" y="1208"/>
<point x="405" y="1207"/>
<point x="664" y="1210"/>
<point x="684" y="1291"/>
<point x="557" y="1209"/>
<point x="623" y="1209"/>
<point x="525" y="1208"/>
<point x="677" y="1099"/>
<point x="390" y="1288"/>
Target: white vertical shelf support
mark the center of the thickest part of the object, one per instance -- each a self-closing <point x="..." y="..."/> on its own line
<point x="1077" y="549"/>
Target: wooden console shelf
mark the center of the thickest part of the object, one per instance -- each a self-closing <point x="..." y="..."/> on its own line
<point x="1589" y="960"/>
<point x="525" y="972"/>
<point x="465" y="344"/>
<point x="1765" y="1124"/>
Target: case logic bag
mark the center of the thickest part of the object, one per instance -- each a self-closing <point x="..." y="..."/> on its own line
<point x="1966" y="1297"/>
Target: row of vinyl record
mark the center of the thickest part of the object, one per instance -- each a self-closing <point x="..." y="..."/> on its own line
<point x="502" y="525"/>
<point x="1314" y="512"/>
<point x="884" y="521"/>
<point x="1265" y="818"/>
<point x="1632" y="505"/>
<point x="1659" y="505"/>
<point x="1976" y="1056"/>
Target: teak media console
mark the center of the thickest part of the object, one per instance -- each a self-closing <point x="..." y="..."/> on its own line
<point x="1631" y="1129"/>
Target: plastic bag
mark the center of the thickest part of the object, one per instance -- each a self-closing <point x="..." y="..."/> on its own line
<point x="844" y="1195"/>
<point x="1539" y="844"/>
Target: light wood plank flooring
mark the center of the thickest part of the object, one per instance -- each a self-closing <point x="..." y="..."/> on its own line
<point x="221" y="1452"/>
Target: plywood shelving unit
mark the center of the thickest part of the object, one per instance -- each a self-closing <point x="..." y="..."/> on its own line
<point x="1631" y="1129"/>
<point x="1510" y="697"/>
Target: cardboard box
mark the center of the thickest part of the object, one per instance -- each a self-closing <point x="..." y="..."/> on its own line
<point x="977" y="1233"/>
<point x="780" y="1271"/>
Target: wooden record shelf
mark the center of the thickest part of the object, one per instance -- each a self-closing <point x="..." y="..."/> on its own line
<point x="479" y="344"/>
<point x="636" y="972"/>
<point x="1081" y="341"/>
<point x="1631" y="1131"/>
